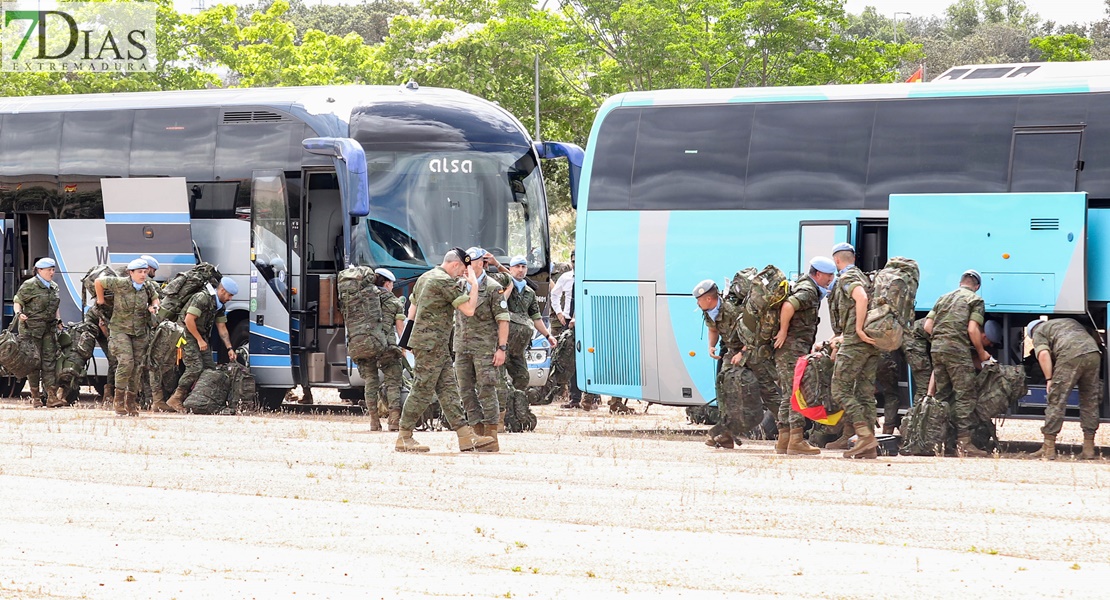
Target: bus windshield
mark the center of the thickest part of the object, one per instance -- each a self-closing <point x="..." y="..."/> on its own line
<point x="422" y="204"/>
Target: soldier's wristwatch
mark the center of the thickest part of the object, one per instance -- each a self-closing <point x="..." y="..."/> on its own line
<point x="503" y="347"/>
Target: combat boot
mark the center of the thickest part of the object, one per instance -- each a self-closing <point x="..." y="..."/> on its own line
<point x="866" y="444"/>
<point x="56" y="397"/>
<point x="572" y="404"/>
<point x="394" y="420"/>
<point x="468" y="440"/>
<point x="589" y="403"/>
<point x="159" y="404"/>
<point x="799" y="445"/>
<point x="119" y="404"/>
<point x="36" y="398"/>
<point x="619" y="406"/>
<point x="405" y="442"/>
<point x="176" y="402"/>
<point x="109" y="393"/>
<point x="845" y="439"/>
<point x="131" y="403"/>
<point x="1088" y="452"/>
<point x="1048" y="449"/>
<point x="479" y="429"/>
<point x="966" y="449"/>
<point x="783" y="442"/>
<point x="722" y="440"/>
<point x="375" y="420"/>
<point x="491" y="432"/>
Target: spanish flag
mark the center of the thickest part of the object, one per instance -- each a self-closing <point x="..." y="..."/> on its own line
<point x="70" y="188"/>
<point x="917" y="75"/>
<point x="816" y="412"/>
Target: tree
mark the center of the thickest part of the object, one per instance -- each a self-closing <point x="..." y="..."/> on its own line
<point x="1065" y="47"/>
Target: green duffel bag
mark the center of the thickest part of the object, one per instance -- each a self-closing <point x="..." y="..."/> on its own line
<point x="209" y="395"/>
<point x="18" y="355"/>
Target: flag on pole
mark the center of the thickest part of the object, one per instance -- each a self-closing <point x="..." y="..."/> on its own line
<point x="917" y="75"/>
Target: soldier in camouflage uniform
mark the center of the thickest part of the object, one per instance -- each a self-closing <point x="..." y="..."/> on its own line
<point x="388" y="388"/>
<point x="915" y="348"/>
<point x="435" y="298"/>
<point x="738" y="398"/>
<point x="853" y="380"/>
<point x="524" y="314"/>
<point x="797" y="332"/>
<point x="36" y="307"/>
<point x="955" y="325"/>
<point x="481" y="346"/>
<point x="886" y="386"/>
<point x="136" y="300"/>
<point x="202" y="311"/>
<point x="1067" y="355"/>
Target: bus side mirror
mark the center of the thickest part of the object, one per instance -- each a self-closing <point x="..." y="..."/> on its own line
<point x="350" y="169"/>
<point x="574" y="155"/>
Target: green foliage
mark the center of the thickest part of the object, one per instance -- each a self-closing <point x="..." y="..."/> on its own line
<point x="1066" y="47"/>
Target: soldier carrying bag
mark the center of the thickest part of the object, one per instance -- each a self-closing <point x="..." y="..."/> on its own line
<point x="178" y="290"/>
<point x="362" y="313"/>
<point x="761" y="313"/>
<point x="890" y="309"/>
<point x="18" y="355"/>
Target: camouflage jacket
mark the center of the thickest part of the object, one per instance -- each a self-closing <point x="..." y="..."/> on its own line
<point x="477" y="335"/>
<point x="521" y="302"/>
<point x="806" y="299"/>
<point x="393" y="310"/>
<point x="39" y="303"/>
<point x="842" y="308"/>
<point x="202" y="305"/>
<point x="435" y="295"/>
<point x="727" y="325"/>
<point x="1065" y="339"/>
<point x="918" y="341"/>
<point x="950" y="316"/>
<point x="129" y="311"/>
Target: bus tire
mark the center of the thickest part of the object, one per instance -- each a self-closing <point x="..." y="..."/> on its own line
<point x="271" y="399"/>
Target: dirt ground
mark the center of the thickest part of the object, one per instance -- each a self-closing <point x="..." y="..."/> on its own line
<point x="588" y="505"/>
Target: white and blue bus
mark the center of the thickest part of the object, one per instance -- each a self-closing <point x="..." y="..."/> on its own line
<point x="280" y="188"/>
<point x="1005" y="171"/>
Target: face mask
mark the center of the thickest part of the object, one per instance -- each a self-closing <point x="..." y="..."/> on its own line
<point x="519" y="285"/>
<point x="713" y="312"/>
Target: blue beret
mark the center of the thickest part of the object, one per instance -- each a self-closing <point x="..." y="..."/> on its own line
<point x="823" y="264"/>
<point x="973" y="273"/>
<point x="704" y="287"/>
<point x="45" y="263"/>
<point x="475" y="253"/>
<point x="136" y="264"/>
<point x="385" y="273"/>
<point x="518" y="260"/>
<point x="842" y="246"/>
<point x="229" y="284"/>
<point x="993" y="329"/>
<point x="150" y="261"/>
<point x="1030" y="326"/>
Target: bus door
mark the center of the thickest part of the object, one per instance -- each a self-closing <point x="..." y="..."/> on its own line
<point x="271" y="286"/>
<point x="1030" y="248"/>
<point x="817" y="238"/>
<point x="333" y="201"/>
<point x="142" y="215"/>
<point x="616" y="345"/>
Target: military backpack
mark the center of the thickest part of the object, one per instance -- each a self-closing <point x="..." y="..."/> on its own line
<point x="179" y="289"/>
<point x="209" y="394"/>
<point x="88" y="284"/>
<point x="75" y="348"/>
<point x="812" y="391"/>
<point x="760" y="318"/>
<point x="925" y="428"/>
<point x="165" y="339"/>
<point x="18" y="354"/>
<point x="741" y="285"/>
<point x="890" y="307"/>
<point x="362" y="313"/>
<point x="242" y="393"/>
<point x="999" y="386"/>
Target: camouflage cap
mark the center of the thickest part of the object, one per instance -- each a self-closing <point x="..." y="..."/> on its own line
<point x="704" y="287"/>
<point x="973" y="274"/>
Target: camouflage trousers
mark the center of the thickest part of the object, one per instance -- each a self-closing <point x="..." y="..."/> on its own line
<point x="1082" y="370"/>
<point x="129" y="351"/>
<point x="955" y="380"/>
<point x="886" y="383"/>
<point x="739" y="401"/>
<point x="195" y="362"/>
<point x="47" y="345"/>
<point x="921" y="367"/>
<point x="770" y="394"/>
<point x="786" y="358"/>
<point x="478" y="386"/>
<point x="433" y="378"/>
<point x="516" y="367"/>
<point x="853" y="380"/>
<point x="386" y="385"/>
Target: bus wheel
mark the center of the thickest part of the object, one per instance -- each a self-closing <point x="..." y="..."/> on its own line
<point x="11" y="387"/>
<point x="270" y="399"/>
<point x="240" y="335"/>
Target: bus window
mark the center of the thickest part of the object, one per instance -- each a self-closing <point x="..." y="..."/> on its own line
<point x="29" y="143"/>
<point x="213" y="199"/>
<point x="611" y="179"/>
<point x="174" y="142"/>
<point x="96" y="143"/>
